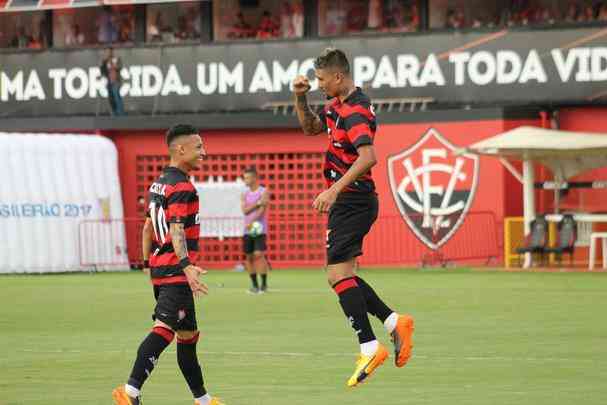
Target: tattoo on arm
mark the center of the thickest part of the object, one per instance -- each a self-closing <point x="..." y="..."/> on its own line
<point x="179" y="242"/>
<point x="310" y="122"/>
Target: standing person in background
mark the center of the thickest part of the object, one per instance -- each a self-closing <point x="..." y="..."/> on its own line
<point x="74" y="36"/>
<point x="107" y="32"/>
<point x="298" y="19"/>
<point x="286" y="21"/>
<point x="267" y="27"/>
<point x="376" y="12"/>
<point x="254" y="203"/>
<point x="110" y="69"/>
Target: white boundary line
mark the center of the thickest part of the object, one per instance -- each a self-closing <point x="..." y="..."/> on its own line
<point x="309" y="354"/>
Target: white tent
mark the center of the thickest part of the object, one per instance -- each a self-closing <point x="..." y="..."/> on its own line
<point x="52" y="185"/>
<point x="566" y="153"/>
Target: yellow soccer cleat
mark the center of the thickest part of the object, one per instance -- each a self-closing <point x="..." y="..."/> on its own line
<point x="121" y="398"/>
<point x="214" y="401"/>
<point x="366" y="365"/>
<point x="402" y="337"/>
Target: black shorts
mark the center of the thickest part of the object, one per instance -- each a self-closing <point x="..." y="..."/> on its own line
<point x="252" y="244"/>
<point x="350" y="219"/>
<point x="175" y="306"/>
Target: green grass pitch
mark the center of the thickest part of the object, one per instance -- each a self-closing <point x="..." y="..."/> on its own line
<point x="481" y="338"/>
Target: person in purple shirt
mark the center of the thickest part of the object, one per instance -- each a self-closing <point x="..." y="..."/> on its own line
<point x="254" y="205"/>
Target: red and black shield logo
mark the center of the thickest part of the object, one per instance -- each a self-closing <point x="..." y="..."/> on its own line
<point x="432" y="187"/>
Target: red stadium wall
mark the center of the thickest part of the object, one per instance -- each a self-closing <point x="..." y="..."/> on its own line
<point x="290" y="165"/>
<point x="497" y="195"/>
<point x="590" y="120"/>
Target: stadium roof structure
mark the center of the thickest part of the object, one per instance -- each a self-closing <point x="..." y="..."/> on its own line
<point x="32" y="5"/>
<point x="566" y="153"/>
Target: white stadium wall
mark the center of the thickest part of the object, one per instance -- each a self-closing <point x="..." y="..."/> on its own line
<point x="55" y="187"/>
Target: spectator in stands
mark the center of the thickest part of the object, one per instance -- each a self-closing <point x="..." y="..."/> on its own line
<point x="35" y="42"/>
<point x="267" y="27"/>
<point x="455" y="19"/>
<point x="193" y="21"/>
<point x="181" y="34"/>
<point x="298" y="19"/>
<point x="22" y="39"/>
<point x="399" y="18"/>
<point x="543" y="15"/>
<point x="525" y="16"/>
<point x="107" y="31"/>
<point x="287" y="30"/>
<point x="155" y="28"/>
<point x="74" y="36"/>
<point x="335" y="19"/>
<point x="356" y="20"/>
<point x="376" y="14"/>
<point x="110" y="69"/>
<point x="602" y="13"/>
<point x="395" y="18"/>
<point x="587" y="14"/>
<point x="571" y="14"/>
<point x="413" y="18"/>
<point x="185" y="29"/>
<point x="126" y="23"/>
<point x="241" y="29"/>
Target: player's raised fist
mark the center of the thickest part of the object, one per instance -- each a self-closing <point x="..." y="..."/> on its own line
<point x="301" y="85"/>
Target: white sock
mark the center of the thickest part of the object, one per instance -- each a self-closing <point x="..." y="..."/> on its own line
<point x="369" y="348"/>
<point x="204" y="400"/>
<point x="390" y="322"/>
<point x="131" y="391"/>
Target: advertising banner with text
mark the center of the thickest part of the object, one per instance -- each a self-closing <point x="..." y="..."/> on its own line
<point x="505" y="67"/>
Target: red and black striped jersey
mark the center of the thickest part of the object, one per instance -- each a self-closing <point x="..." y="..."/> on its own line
<point x="350" y="125"/>
<point x="173" y="199"/>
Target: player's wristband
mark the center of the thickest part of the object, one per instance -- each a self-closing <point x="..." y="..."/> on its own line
<point x="146" y="264"/>
<point x="185" y="262"/>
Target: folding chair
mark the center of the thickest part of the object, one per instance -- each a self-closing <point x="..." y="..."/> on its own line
<point x="535" y="242"/>
<point x="567" y="236"/>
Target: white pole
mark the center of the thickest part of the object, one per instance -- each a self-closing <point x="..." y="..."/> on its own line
<point x="528" y="201"/>
<point x="558" y="179"/>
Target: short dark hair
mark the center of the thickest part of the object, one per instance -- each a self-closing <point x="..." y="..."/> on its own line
<point x="333" y="58"/>
<point x="252" y="170"/>
<point x="179" y="130"/>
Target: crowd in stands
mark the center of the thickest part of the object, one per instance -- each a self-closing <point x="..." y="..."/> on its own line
<point x="527" y="13"/>
<point x="272" y="19"/>
<point x="289" y="24"/>
<point x="179" y="23"/>
<point x="344" y="17"/>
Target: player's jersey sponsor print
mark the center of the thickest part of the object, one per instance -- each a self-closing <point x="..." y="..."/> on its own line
<point x="433" y="187"/>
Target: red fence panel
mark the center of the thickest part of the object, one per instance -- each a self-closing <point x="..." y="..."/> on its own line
<point x="392" y="242"/>
<point x="299" y="240"/>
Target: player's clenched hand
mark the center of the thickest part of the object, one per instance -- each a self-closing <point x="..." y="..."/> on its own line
<point x="301" y="85"/>
<point x="198" y="288"/>
<point x="324" y="201"/>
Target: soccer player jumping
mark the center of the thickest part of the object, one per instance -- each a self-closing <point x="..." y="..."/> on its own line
<point x="352" y="204"/>
<point x="172" y="230"/>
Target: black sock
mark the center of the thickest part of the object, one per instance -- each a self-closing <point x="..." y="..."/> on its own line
<point x="353" y="303"/>
<point x="190" y="368"/>
<point x="254" y="280"/>
<point x="375" y="305"/>
<point x="148" y="353"/>
<point x="264" y="280"/>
